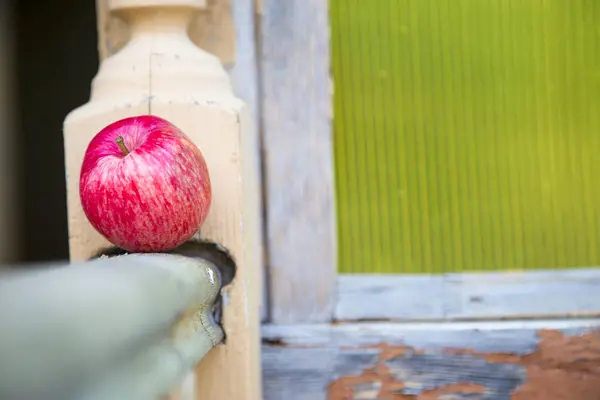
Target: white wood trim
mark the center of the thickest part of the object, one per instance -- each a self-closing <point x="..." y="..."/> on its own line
<point x="534" y="294"/>
<point x="493" y="336"/>
<point x="298" y="159"/>
<point x="301" y="361"/>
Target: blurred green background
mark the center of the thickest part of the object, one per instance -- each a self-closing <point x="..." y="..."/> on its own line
<point x="467" y="134"/>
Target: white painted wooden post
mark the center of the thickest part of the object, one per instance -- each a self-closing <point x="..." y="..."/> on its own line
<point x="227" y="28"/>
<point x="160" y="71"/>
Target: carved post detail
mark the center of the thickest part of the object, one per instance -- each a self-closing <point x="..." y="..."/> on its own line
<point x="161" y="71"/>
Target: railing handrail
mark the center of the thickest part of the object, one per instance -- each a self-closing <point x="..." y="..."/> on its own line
<point x="126" y="327"/>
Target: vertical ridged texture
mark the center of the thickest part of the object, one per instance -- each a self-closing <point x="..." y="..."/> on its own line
<point x="467" y="134"/>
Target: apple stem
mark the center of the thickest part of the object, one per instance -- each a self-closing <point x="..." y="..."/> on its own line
<point x="122" y="146"/>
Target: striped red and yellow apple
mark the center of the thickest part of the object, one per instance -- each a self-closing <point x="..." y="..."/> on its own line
<point x="144" y="185"/>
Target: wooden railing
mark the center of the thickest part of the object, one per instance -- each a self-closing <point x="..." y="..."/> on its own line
<point x="128" y="327"/>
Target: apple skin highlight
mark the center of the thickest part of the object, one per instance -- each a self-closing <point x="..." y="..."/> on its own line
<point x="150" y="191"/>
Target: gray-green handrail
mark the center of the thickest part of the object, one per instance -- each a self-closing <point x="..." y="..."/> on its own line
<point x="127" y="327"/>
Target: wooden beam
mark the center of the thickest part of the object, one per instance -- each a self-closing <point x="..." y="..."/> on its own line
<point x="166" y="75"/>
<point x="550" y="359"/>
<point x="298" y="159"/>
<point x="532" y="294"/>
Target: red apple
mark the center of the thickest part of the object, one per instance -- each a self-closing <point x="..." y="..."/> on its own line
<point x="144" y="185"/>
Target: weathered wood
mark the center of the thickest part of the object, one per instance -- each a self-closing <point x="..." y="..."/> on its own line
<point x="553" y="293"/>
<point x="366" y="296"/>
<point x="298" y="160"/>
<point x="374" y="360"/>
<point x="416" y="374"/>
<point x="493" y="336"/>
<point x="297" y="373"/>
<point x="534" y="294"/>
<point x="133" y="324"/>
<point x="162" y="73"/>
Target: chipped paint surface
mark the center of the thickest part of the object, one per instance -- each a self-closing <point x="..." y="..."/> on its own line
<point x="560" y="368"/>
<point x="426" y="375"/>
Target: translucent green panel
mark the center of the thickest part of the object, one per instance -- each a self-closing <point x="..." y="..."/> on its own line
<point x="467" y="134"/>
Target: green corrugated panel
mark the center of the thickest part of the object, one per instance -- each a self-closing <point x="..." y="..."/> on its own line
<point x="467" y="134"/>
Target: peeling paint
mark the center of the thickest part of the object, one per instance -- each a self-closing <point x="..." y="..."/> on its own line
<point x="388" y="351"/>
<point x="379" y="383"/>
<point x="560" y="368"/>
